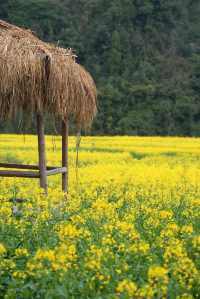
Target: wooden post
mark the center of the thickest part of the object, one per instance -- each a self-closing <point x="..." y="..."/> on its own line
<point x="65" y="155"/>
<point x="41" y="151"/>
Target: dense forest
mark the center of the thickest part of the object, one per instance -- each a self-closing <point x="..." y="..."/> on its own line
<point x="143" y="54"/>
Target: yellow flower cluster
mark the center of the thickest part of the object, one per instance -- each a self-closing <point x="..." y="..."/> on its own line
<point x="2" y="249"/>
<point x="126" y="286"/>
<point x="128" y="228"/>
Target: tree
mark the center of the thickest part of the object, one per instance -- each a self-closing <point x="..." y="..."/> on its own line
<point x="144" y="56"/>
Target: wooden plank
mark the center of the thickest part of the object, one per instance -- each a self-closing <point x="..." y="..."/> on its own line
<point x="41" y="152"/>
<point x="19" y="174"/>
<point x="65" y="155"/>
<point x="56" y="171"/>
<point x="19" y="166"/>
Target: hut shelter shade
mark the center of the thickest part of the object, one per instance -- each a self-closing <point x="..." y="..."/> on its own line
<point x="38" y="78"/>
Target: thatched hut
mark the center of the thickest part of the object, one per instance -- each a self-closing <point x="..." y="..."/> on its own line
<point x="37" y="77"/>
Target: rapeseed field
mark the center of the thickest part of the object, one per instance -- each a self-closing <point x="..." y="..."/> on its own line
<point x="129" y="227"/>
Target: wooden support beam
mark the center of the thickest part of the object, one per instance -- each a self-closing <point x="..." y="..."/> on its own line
<point x="31" y="174"/>
<point x="21" y="166"/>
<point x="65" y="155"/>
<point x="56" y="171"/>
<point x="44" y="170"/>
<point x="19" y="174"/>
<point x="41" y="151"/>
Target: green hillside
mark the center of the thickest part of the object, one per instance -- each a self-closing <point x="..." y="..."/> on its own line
<point x="143" y="54"/>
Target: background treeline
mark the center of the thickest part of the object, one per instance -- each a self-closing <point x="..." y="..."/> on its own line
<point x="143" y="54"/>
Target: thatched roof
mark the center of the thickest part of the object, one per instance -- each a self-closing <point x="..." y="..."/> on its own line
<point x="39" y="77"/>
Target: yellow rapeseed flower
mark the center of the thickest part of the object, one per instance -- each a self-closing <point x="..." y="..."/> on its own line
<point x="158" y="274"/>
<point x="2" y="249"/>
<point x="128" y="287"/>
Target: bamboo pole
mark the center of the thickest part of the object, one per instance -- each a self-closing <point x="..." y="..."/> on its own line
<point x="65" y="155"/>
<point x="41" y="152"/>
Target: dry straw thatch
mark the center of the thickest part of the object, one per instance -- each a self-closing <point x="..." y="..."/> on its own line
<point x="39" y="77"/>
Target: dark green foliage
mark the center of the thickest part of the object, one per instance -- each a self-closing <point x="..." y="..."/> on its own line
<point x="143" y="54"/>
